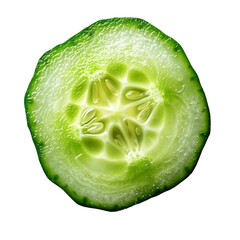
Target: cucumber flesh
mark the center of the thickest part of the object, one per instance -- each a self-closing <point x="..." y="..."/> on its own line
<point x="117" y="114"/>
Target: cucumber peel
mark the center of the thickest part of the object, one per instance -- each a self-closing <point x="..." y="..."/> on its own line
<point x="117" y="114"/>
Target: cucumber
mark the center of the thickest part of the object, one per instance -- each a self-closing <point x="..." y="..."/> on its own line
<point x="117" y="114"/>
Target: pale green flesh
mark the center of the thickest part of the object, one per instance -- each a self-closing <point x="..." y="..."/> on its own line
<point x="118" y="115"/>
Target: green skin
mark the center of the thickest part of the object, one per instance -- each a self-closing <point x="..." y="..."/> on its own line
<point x="117" y="114"/>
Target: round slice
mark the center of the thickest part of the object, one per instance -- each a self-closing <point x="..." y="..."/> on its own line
<point x="117" y="114"/>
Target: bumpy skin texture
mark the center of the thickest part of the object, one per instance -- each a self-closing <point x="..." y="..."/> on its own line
<point x="117" y="114"/>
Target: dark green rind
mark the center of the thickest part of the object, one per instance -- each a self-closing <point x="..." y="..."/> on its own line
<point x="46" y="58"/>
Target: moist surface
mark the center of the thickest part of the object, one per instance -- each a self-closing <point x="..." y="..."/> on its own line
<point x="117" y="114"/>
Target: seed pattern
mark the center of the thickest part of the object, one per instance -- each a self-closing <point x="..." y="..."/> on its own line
<point x="95" y="127"/>
<point x="107" y="98"/>
<point x="119" y="139"/>
<point x="133" y="135"/>
<point x="143" y="106"/>
<point x="113" y="89"/>
<point x="145" y="113"/>
<point x="88" y="115"/>
<point x="134" y="95"/>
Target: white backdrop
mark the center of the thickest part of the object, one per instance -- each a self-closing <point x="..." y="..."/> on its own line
<point x="204" y="206"/>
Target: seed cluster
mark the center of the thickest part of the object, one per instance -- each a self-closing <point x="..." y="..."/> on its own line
<point x="117" y="110"/>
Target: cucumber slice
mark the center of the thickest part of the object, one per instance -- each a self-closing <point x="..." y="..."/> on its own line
<point x="117" y="114"/>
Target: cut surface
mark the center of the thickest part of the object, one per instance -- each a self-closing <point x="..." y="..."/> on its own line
<point x="117" y="114"/>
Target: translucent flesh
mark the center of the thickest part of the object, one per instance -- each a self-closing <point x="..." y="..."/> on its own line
<point x="119" y="114"/>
